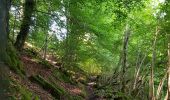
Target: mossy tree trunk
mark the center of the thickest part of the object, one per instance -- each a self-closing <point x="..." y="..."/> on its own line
<point x="124" y="58"/>
<point x="25" y="26"/>
<point x="4" y="19"/>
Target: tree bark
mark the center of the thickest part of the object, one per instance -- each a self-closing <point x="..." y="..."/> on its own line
<point x="3" y="27"/>
<point x="168" y="76"/>
<point x="160" y="87"/>
<point x="4" y="19"/>
<point x="138" y="71"/>
<point x="46" y="46"/>
<point x="151" y="81"/>
<point x="25" y="26"/>
<point x="124" y="58"/>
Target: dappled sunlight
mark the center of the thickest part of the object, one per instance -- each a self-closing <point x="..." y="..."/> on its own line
<point x="90" y="66"/>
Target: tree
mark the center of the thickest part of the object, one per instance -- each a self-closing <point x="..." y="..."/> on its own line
<point x="124" y="62"/>
<point x="4" y="4"/>
<point x="26" y="22"/>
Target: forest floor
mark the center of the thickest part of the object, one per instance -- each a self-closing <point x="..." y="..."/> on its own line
<point x="77" y="90"/>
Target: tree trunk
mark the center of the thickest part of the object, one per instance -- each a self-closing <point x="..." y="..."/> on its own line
<point x="124" y="58"/>
<point x="160" y="87"/>
<point x="168" y="76"/>
<point x="4" y="84"/>
<point x="3" y="29"/>
<point x="46" y="46"/>
<point x="151" y="81"/>
<point x="25" y="26"/>
<point x="138" y="71"/>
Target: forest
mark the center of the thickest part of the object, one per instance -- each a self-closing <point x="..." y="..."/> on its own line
<point x="84" y="49"/>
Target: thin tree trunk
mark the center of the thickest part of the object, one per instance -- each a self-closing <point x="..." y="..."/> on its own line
<point x="45" y="47"/>
<point x="46" y="37"/>
<point x="138" y="70"/>
<point x="25" y="26"/>
<point x="158" y="93"/>
<point x="166" y="97"/>
<point x="151" y="82"/>
<point x="168" y="74"/>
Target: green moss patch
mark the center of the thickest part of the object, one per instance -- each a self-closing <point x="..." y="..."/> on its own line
<point x="13" y="60"/>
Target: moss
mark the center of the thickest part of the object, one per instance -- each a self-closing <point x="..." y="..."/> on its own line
<point x="55" y="91"/>
<point x="13" y="61"/>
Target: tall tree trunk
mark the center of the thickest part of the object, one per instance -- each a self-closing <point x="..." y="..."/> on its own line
<point x="3" y="28"/>
<point x="4" y="17"/>
<point x="25" y="26"/>
<point x="168" y="76"/>
<point x="124" y="58"/>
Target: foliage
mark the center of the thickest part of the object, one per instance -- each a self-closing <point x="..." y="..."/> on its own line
<point x="87" y="36"/>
